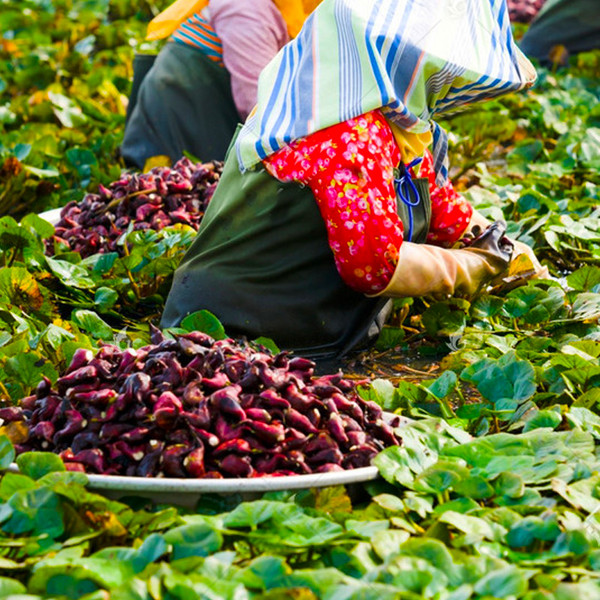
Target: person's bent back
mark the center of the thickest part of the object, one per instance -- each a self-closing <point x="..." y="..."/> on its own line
<point x="574" y="24"/>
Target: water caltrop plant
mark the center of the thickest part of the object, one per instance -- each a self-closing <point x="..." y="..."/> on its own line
<point x="489" y="490"/>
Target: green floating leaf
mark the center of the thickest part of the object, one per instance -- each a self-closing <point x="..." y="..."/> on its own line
<point x="198" y="539"/>
<point x="507" y="378"/>
<point x="101" y="263"/>
<point x="69" y="274"/>
<point x="532" y="528"/>
<point x="586" y="590"/>
<point x="387" y="543"/>
<point x="440" y="477"/>
<point x="543" y="418"/>
<point x="486" y="306"/>
<point x="510" y="485"/>
<point x="28" y="369"/>
<point x="70" y="586"/>
<point x="268" y="343"/>
<point x="263" y="573"/>
<point x="205" y="321"/>
<point x="38" y="464"/>
<point x="474" y="486"/>
<point x="11" y="587"/>
<point x="381" y="391"/>
<point x="390" y="337"/>
<point x="584" y="279"/>
<point x="67" y="111"/>
<point x="475" y="528"/>
<point x="13" y="236"/>
<point x="534" y="305"/>
<point x="504" y="583"/>
<point x="572" y="542"/>
<point x="105" y="298"/>
<point x="14" y="482"/>
<point x="89" y="321"/>
<point x="7" y="452"/>
<point x="444" y="319"/>
<point x="586" y="307"/>
<point x="36" y="511"/>
<point x="444" y="384"/>
<point x="41" y="173"/>
<point x="39" y="225"/>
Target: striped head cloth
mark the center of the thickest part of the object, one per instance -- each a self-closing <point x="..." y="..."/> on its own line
<point x="414" y="59"/>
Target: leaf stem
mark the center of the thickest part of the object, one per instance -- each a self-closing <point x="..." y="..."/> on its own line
<point x="4" y="391"/>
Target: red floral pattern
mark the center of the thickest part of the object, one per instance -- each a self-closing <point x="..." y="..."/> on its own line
<point x="350" y="169"/>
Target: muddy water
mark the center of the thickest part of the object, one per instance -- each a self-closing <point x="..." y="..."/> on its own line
<point x="392" y="365"/>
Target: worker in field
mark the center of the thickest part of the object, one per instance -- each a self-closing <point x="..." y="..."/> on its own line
<point x="335" y="195"/>
<point x="562" y="28"/>
<point x="204" y="80"/>
<point x="523" y="11"/>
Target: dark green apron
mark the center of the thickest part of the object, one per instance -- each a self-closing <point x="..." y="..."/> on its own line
<point x="262" y="264"/>
<point x="183" y="102"/>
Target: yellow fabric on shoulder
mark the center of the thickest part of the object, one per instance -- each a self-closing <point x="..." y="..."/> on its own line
<point x="310" y="5"/>
<point x="411" y="145"/>
<point x="294" y="13"/>
<point x="164" y="24"/>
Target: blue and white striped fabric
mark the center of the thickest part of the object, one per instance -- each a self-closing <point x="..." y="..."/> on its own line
<point x="412" y="58"/>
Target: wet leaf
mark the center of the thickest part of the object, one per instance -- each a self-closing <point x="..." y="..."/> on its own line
<point x="38" y="464"/>
<point x="206" y="322"/>
<point x="7" y="452"/>
<point x="89" y="321"/>
<point x="193" y="540"/>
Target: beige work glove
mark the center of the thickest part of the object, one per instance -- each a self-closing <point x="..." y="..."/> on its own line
<point x="477" y="220"/>
<point x="424" y="270"/>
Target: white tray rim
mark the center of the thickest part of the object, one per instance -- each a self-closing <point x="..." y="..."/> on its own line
<point x="120" y="483"/>
<point x="52" y="215"/>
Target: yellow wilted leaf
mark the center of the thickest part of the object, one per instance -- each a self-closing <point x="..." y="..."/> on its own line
<point x="62" y="323"/>
<point x="11" y="167"/>
<point x="16" y="431"/>
<point x="297" y="593"/>
<point x="108" y="522"/>
<point x="520" y="266"/>
<point x="559" y="55"/>
<point x="160" y="160"/>
<point x="332" y="500"/>
<point x="8" y="46"/>
<point x="20" y="288"/>
<point x="37" y="98"/>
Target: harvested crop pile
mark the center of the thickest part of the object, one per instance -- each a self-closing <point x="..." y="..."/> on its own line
<point x="523" y="11"/>
<point x="196" y="407"/>
<point x="164" y="196"/>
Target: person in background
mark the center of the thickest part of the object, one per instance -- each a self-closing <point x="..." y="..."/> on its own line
<point x="204" y="80"/>
<point x="330" y="202"/>
<point x="523" y="11"/>
<point x="571" y="25"/>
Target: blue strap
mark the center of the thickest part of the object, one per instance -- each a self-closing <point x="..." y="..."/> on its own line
<point x="404" y="185"/>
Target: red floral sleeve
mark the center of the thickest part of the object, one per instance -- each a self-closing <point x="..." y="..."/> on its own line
<point x="350" y="169"/>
